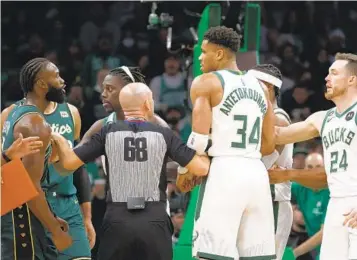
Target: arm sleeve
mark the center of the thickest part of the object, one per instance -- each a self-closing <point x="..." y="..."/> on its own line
<point x="82" y="183"/>
<point x="92" y="149"/>
<point x="177" y="150"/>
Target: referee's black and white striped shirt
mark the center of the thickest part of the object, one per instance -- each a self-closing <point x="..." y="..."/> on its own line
<point x="136" y="153"/>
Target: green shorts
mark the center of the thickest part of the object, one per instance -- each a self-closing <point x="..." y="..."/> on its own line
<point x="68" y="208"/>
<point x="24" y="238"/>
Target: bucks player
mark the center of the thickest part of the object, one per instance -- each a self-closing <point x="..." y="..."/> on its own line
<point x="337" y="128"/>
<point x="23" y="234"/>
<point x="235" y="218"/>
<point x="282" y="156"/>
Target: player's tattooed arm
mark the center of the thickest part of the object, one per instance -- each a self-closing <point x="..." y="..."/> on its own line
<point x="35" y="125"/>
<point x="301" y="131"/>
<point x="95" y="128"/>
<point x="268" y="129"/>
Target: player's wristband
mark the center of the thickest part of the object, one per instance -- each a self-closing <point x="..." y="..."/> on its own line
<point x="182" y="170"/>
<point x="6" y="158"/>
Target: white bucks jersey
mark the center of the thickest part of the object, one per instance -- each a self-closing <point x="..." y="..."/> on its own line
<point x="338" y="134"/>
<point x="237" y="120"/>
<point x="281" y="191"/>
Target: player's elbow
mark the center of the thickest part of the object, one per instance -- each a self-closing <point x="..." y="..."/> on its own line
<point x="267" y="148"/>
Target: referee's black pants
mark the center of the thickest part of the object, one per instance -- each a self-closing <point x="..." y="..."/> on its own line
<point x="136" y="235"/>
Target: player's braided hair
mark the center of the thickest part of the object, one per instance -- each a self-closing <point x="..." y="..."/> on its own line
<point x="135" y="71"/>
<point x="271" y="70"/>
<point x="29" y="72"/>
<point x="223" y="36"/>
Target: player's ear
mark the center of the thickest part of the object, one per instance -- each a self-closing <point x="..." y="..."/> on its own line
<point x="352" y="80"/>
<point x="40" y="83"/>
<point x="220" y="54"/>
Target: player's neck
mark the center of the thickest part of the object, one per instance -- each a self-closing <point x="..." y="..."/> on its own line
<point x="344" y="102"/>
<point x="50" y="108"/>
<point x="41" y="104"/>
<point x="274" y="103"/>
<point x="229" y="65"/>
<point x="120" y="114"/>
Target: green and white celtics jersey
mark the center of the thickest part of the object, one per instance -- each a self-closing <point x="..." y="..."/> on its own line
<point x="237" y="121"/>
<point x="340" y="151"/>
<point x="281" y="191"/>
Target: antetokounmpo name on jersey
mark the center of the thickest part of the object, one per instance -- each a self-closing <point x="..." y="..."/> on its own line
<point x="243" y="93"/>
<point x="336" y="135"/>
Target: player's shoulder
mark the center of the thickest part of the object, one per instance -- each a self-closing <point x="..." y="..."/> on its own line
<point x="72" y="108"/>
<point x="282" y="117"/>
<point x="206" y="82"/>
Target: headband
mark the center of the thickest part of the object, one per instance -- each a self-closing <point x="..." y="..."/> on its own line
<point x="266" y="77"/>
<point x="127" y="71"/>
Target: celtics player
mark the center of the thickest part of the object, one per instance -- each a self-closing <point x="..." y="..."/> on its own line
<point x="235" y="218"/>
<point x="61" y="192"/>
<point x="24" y="230"/>
<point x="112" y="85"/>
<point x="337" y="128"/>
<point x="282" y="156"/>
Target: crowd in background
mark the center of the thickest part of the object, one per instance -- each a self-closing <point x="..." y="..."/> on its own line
<point x="87" y="39"/>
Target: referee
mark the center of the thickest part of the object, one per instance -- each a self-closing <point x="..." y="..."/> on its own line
<point x="136" y="225"/>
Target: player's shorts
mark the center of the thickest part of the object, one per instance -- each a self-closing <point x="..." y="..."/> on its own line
<point x="137" y="234"/>
<point x="338" y="241"/>
<point x="24" y="238"/>
<point x="283" y="217"/>
<point x="68" y="208"/>
<point x="234" y="212"/>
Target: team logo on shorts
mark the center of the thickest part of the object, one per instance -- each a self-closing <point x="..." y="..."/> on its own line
<point x="350" y="115"/>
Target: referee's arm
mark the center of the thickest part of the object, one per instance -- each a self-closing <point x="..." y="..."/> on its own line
<point x="179" y="152"/>
<point x="70" y="160"/>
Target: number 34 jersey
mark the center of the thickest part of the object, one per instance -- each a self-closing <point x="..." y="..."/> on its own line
<point x="338" y="135"/>
<point x="237" y="120"/>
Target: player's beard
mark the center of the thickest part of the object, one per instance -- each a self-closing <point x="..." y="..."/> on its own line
<point x="55" y="94"/>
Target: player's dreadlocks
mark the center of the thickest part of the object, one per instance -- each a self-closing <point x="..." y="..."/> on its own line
<point x="223" y="36"/>
<point x="271" y="70"/>
<point x="135" y="72"/>
<point x="29" y="72"/>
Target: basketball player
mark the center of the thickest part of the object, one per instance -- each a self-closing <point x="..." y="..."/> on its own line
<point x="112" y="85"/>
<point x="235" y="214"/>
<point x="61" y="191"/>
<point x="337" y="128"/>
<point x="23" y="234"/>
<point x="282" y="156"/>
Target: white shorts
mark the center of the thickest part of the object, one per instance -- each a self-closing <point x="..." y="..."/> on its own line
<point x="235" y="216"/>
<point x="284" y="221"/>
<point x="338" y="241"/>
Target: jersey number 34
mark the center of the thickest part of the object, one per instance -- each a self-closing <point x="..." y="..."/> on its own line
<point x="252" y="137"/>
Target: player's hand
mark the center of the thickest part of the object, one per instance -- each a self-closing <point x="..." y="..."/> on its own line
<point x="278" y="175"/>
<point x="351" y="218"/>
<point x="64" y="225"/>
<point x="61" y="239"/>
<point x="90" y="232"/>
<point x="24" y="146"/>
<point x="186" y="182"/>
